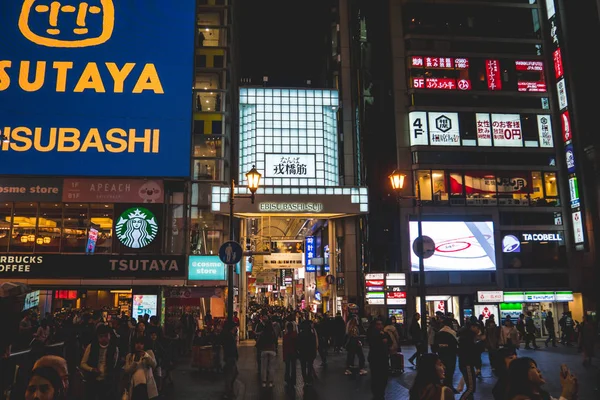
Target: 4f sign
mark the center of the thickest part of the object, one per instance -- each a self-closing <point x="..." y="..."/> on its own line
<point x="89" y="24"/>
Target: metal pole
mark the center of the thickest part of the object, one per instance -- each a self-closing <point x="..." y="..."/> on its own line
<point x="230" y="267"/>
<point x="422" y="289"/>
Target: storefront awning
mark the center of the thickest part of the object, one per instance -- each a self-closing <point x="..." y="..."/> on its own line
<point x="315" y="202"/>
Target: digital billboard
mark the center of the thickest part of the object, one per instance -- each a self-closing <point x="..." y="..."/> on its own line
<point x="459" y="245"/>
<point x="100" y="87"/>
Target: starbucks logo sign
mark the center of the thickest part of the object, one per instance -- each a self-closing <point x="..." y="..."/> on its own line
<point x="136" y="228"/>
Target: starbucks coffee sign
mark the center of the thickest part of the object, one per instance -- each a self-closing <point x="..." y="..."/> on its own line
<point x="136" y="227"/>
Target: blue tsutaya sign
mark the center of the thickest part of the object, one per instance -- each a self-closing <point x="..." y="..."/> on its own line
<point x="99" y="87"/>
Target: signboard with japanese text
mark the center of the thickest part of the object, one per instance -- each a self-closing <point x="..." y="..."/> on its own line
<point x="579" y="235"/>
<point x="492" y="71"/>
<point x="100" y="87"/>
<point x="574" y="192"/>
<point x="444" y="129"/>
<point x="309" y="253"/>
<point x="290" y="166"/>
<point x="506" y="130"/>
<point x="419" y="133"/>
<point x="439" y="62"/>
<point x="562" y="94"/>
<point x="529" y="66"/>
<point x="495" y="296"/>
<point x="545" y="131"/>
<point x="484" y="129"/>
<point x="566" y="126"/>
<point x="531" y="86"/>
<point x="558" y="64"/>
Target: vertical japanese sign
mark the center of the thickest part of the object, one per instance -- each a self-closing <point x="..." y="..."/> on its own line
<point x="484" y="129"/>
<point x="492" y="71"/>
<point x="568" y="134"/>
<point x="309" y="253"/>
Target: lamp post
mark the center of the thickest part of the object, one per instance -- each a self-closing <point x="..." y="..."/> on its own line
<point x="397" y="180"/>
<point x="253" y="179"/>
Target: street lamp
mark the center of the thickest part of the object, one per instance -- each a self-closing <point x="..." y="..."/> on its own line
<point x="397" y="180"/>
<point x="253" y="178"/>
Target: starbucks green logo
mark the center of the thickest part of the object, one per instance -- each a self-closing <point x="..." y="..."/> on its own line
<point x="136" y="227"/>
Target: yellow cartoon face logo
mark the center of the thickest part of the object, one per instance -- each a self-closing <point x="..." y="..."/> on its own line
<point x="67" y="23"/>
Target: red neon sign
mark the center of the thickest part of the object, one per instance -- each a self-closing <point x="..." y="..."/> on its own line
<point x="526" y="86"/>
<point x="529" y="66"/>
<point x="396" y="295"/>
<point x="375" y="283"/>
<point x="566" y="126"/>
<point x="492" y="71"/>
<point x="439" y="62"/>
<point x="558" y="65"/>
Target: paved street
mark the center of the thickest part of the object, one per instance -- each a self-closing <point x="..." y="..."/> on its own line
<point x="333" y="384"/>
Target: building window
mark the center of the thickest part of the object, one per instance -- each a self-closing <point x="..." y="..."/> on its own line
<point x="480" y="188"/>
<point x="49" y="228"/>
<point x="208" y="170"/>
<point x="208" y="146"/>
<point x="424" y="179"/>
<point x="208" y="231"/>
<point x="5" y="219"/>
<point x="550" y="186"/>
<point x="24" y="224"/>
<point x="102" y="217"/>
<point x="75" y="229"/>
<point x="440" y="192"/>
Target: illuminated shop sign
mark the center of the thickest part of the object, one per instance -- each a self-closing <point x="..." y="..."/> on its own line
<point x="309" y="253"/>
<point x="542" y="237"/>
<point x="492" y="71"/>
<point x="290" y="207"/>
<point x="529" y="66"/>
<point x="107" y="93"/>
<point x="566" y="126"/>
<point x="561" y="89"/>
<point x="558" y="64"/>
<point x="495" y="296"/>
<point x="206" y="268"/>
<point x="498" y="130"/>
<point x="579" y="236"/>
<point x="570" y="158"/>
<point x="533" y="297"/>
<point x="290" y="135"/>
<point x="574" y="192"/>
<point x="439" y="62"/>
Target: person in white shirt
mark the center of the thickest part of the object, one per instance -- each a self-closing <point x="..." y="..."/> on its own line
<point x="139" y="365"/>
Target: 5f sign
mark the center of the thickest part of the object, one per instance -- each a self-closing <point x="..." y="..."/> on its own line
<point x="418" y="128"/>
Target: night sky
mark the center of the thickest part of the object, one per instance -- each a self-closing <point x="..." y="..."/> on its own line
<point x="284" y="40"/>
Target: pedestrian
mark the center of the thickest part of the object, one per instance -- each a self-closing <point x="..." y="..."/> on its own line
<point x="526" y="381"/>
<point x="505" y="356"/>
<point x="379" y="350"/>
<point x="587" y="340"/>
<point x="566" y="324"/>
<point x="447" y="344"/>
<point x="59" y="364"/>
<point x="469" y="356"/>
<point x="339" y="332"/>
<point x="307" y="351"/>
<point x="530" y="332"/>
<point x="188" y="329"/>
<point x="290" y="354"/>
<point x="322" y="330"/>
<point x="417" y="336"/>
<point x="259" y="327"/>
<point x="521" y="327"/>
<point x="139" y="364"/>
<point x="157" y="348"/>
<point x="45" y="384"/>
<point x="99" y="363"/>
<point x="509" y="336"/>
<point x="492" y="337"/>
<point x="267" y="344"/>
<point x="428" y="382"/>
<point x="139" y="332"/>
<point x="43" y="332"/>
<point x="549" y="323"/>
<point x="390" y="329"/>
<point x="354" y="347"/>
<point x="230" y="355"/>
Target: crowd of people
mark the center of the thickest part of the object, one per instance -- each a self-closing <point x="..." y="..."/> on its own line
<point x="446" y="345"/>
<point x="118" y="357"/>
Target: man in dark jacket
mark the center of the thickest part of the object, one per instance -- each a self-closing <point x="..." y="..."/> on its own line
<point x="99" y="362"/>
<point x="551" y="330"/>
<point x="307" y="351"/>
<point x="379" y="344"/>
<point x="230" y="355"/>
<point x="447" y="344"/>
<point x="339" y="331"/>
<point x="530" y="331"/>
<point x="469" y="355"/>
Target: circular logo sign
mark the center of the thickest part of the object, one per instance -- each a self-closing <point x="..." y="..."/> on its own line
<point x="136" y="228"/>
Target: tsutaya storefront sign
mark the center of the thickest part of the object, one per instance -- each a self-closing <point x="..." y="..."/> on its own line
<point x="97" y="85"/>
<point x="98" y="266"/>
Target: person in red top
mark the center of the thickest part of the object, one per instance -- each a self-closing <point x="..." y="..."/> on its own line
<point x="290" y="354"/>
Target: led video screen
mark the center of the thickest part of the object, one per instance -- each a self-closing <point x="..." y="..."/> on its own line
<point x="458" y="245"/>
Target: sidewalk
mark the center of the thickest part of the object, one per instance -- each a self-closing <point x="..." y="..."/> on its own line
<point x="333" y="384"/>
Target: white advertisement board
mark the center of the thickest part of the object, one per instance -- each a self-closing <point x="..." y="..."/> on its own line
<point x="506" y="130"/>
<point x="487" y="310"/>
<point x="418" y="128"/>
<point x="494" y="296"/>
<point x="459" y="245"/>
<point x="444" y="129"/>
<point x="144" y="304"/>
<point x="290" y="166"/>
<point x="561" y="89"/>
<point x="545" y="131"/>
<point x="484" y="129"/>
<point x="578" y="228"/>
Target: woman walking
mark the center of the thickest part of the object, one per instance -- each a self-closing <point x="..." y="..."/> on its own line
<point x="267" y="344"/>
<point x="139" y="365"/>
